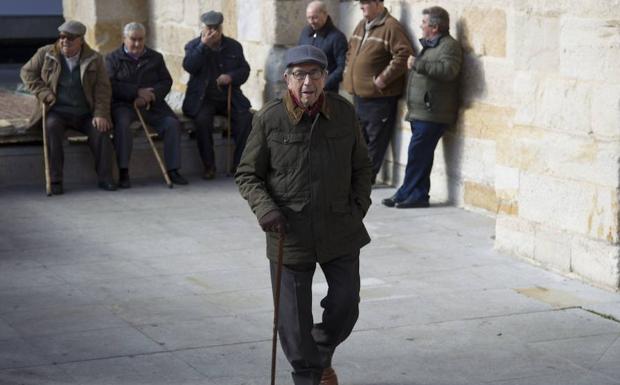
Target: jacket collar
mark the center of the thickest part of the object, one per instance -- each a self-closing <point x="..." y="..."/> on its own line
<point x="378" y="21"/>
<point x="123" y="55"/>
<point x="432" y="43"/>
<point x="86" y="55"/>
<point x="295" y="112"/>
<point x="328" y="26"/>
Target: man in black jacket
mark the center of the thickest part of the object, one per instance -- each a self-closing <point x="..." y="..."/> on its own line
<point x="214" y="63"/>
<point x="139" y="76"/>
<point x="321" y="32"/>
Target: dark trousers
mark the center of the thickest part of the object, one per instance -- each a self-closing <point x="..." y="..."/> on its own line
<point x="167" y="127"/>
<point x="417" y="183"/>
<point x="241" y="122"/>
<point x="309" y="347"/>
<point x="377" y="117"/>
<point x="99" y="143"/>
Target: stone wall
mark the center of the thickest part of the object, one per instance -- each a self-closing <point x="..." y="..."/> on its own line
<point x="537" y="142"/>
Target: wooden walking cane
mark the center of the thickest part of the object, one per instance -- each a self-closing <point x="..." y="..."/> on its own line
<point x="229" y="128"/>
<point x="276" y="307"/>
<point x="46" y="157"/>
<point x="148" y="137"/>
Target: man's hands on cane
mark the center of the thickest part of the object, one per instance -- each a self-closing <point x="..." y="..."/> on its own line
<point x="274" y="222"/>
<point x="102" y="124"/>
<point x="146" y="96"/>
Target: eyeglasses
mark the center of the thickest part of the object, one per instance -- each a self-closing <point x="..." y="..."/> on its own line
<point x="67" y="37"/>
<point x="315" y="74"/>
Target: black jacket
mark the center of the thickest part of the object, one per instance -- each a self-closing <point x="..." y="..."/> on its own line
<point x="127" y="75"/>
<point x="205" y="65"/>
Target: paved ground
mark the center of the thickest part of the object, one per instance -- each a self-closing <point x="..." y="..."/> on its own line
<point x="158" y="286"/>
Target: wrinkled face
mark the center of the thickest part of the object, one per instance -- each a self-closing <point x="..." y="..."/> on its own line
<point x="134" y="42"/>
<point x="428" y="32"/>
<point x="216" y="29"/>
<point x="316" y="18"/>
<point x="69" y="44"/>
<point x="306" y="82"/>
<point x="371" y="9"/>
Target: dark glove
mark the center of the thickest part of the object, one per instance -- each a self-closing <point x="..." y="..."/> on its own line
<point x="274" y="222"/>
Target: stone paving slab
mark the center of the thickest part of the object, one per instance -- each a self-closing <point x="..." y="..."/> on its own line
<point x="159" y="286"/>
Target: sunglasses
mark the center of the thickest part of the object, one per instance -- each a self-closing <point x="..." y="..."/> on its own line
<point x="68" y="37"/>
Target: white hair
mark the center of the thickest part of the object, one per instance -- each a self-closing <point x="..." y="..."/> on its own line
<point x="133" y="26"/>
<point x="319" y="5"/>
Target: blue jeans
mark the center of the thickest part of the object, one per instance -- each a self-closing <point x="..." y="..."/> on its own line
<point x="417" y="183"/>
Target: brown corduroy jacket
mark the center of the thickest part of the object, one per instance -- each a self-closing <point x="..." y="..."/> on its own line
<point x="384" y="53"/>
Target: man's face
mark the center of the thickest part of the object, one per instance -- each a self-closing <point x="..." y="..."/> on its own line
<point x="134" y="42"/>
<point x="69" y="44"/>
<point x="306" y="82"/>
<point x="370" y="9"/>
<point x="316" y="18"/>
<point x="428" y="32"/>
<point x="213" y="30"/>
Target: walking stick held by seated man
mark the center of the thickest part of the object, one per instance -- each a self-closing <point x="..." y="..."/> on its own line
<point x="229" y="129"/>
<point x="148" y="137"/>
<point x="276" y="307"/>
<point x="46" y="157"/>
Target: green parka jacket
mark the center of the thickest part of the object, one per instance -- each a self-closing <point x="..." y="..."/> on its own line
<point x="315" y="171"/>
<point x="433" y="85"/>
<point x="41" y="73"/>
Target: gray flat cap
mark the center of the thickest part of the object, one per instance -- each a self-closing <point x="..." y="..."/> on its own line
<point x="73" y="27"/>
<point x="212" y="18"/>
<point x="305" y="54"/>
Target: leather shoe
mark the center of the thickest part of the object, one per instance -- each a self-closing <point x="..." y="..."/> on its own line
<point x="389" y="202"/>
<point x="209" y="173"/>
<point x="176" y="178"/>
<point x="329" y="377"/>
<point x="57" y="188"/>
<point x="411" y="204"/>
<point x="123" y="181"/>
<point x="108" y="186"/>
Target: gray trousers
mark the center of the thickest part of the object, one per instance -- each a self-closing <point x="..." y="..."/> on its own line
<point x="168" y="127"/>
<point x="99" y="143"/>
<point x="309" y="347"/>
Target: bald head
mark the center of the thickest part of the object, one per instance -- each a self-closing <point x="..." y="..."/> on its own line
<point x="316" y="14"/>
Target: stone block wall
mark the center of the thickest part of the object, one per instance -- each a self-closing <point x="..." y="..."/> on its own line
<point x="537" y="142"/>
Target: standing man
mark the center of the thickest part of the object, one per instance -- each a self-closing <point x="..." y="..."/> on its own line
<point x="321" y="32"/>
<point x="375" y="75"/>
<point x="306" y="175"/>
<point x="71" y="80"/>
<point x="139" y="76"/>
<point x="432" y="102"/>
<point x="214" y="62"/>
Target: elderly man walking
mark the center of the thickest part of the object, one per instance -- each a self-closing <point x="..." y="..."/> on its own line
<point x="375" y="74"/>
<point x="322" y="33"/>
<point x="139" y="77"/>
<point x="432" y="102"/>
<point x="70" y="79"/>
<point x="306" y="175"/>
<point x="215" y="62"/>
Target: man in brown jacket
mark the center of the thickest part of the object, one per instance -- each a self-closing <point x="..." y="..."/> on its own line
<point x="305" y="172"/>
<point x="71" y="80"/>
<point x="375" y="75"/>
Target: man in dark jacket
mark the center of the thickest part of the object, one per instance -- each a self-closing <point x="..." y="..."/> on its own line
<point x="321" y="32"/>
<point x="306" y="172"/>
<point x="215" y="63"/>
<point x="139" y="76"/>
<point x="70" y="80"/>
<point x="432" y="102"/>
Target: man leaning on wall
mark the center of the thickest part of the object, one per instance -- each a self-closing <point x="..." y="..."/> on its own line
<point x="375" y="75"/>
<point x="432" y="103"/>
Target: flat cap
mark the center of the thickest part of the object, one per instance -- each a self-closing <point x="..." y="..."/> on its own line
<point x="73" y="27"/>
<point x="305" y="54"/>
<point x="212" y="18"/>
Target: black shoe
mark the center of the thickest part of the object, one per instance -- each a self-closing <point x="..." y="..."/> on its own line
<point x="389" y="202"/>
<point x="411" y="205"/>
<point x="108" y="186"/>
<point x="209" y="173"/>
<point x="176" y="178"/>
<point x="123" y="181"/>
<point x="57" y="188"/>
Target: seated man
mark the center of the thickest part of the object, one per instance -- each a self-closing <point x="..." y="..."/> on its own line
<point x="139" y="75"/>
<point x="215" y="61"/>
<point x="70" y="79"/>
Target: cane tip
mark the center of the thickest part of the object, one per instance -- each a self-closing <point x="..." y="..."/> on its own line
<point x="49" y="194"/>
<point x="170" y="185"/>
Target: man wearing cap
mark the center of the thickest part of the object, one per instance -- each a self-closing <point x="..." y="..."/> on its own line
<point x="306" y="175"/>
<point x="375" y="75"/>
<point x="321" y="32"/>
<point x="139" y="77"/>
<point x="214" y="63"/>
<point x="70" y="79"/>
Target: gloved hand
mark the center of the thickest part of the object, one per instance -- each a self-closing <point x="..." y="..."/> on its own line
<point x="274" y="222"/>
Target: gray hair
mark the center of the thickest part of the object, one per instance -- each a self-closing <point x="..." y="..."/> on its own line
<point x="133" y="26"/>
<point x="438" y="17"/>
<point x="319" y="5"/>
